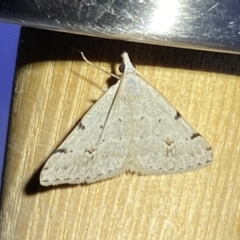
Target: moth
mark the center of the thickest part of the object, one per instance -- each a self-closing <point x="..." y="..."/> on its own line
<point x="132" y="127"/>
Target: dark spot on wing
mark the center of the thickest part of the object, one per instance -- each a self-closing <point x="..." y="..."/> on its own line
<point x="195" y="135"/>
<point x="61" y="150"/>
<point x="142" y="118"/>
<point x="159" y="120"/>
<point x="119" y="119"/>
<point x="101" y="126"/>
<point x="90" y="150"/>
<point x="93" y="101"/>
<point x="178" y="115"/>
<point x="168" y="141"/>
<point x="209" y="149"/>
<point x="80" y="125"/>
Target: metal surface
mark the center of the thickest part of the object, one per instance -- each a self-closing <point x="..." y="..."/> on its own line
<point x="198" y="24"/>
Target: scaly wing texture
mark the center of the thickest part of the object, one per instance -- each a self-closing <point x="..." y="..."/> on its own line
<point x="162" y="141"/>
<point x="95" y="149"/>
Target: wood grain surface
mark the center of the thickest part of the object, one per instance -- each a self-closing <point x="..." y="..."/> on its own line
<point x="54" y="87"/>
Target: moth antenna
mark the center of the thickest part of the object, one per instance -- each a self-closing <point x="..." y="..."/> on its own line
<point x="111" y="74"/>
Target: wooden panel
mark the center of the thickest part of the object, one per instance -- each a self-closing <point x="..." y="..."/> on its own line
<point x="55" y="87"/>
